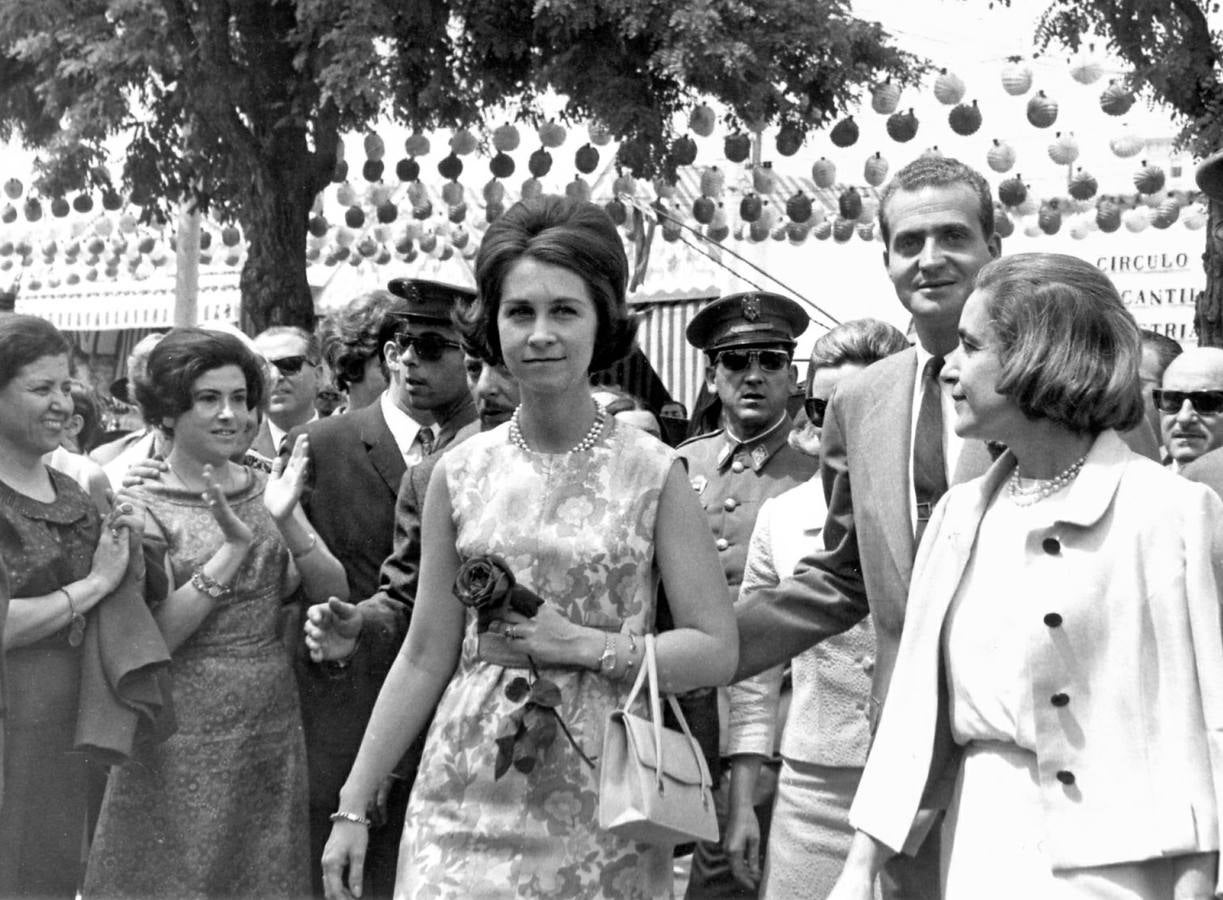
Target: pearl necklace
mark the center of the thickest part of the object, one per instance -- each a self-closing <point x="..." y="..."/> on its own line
<point x="592" y="435"/>
<point x="1044" y="487"/>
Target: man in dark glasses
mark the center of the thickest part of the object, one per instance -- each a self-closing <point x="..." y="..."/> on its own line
<point x="1190" y="404"/>
<point x="358" y="461"/>
<point x="749" y="342"/>
<point x="296" y="374"/>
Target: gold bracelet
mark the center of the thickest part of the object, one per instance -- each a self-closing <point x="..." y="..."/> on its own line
<point x="298" y="554"/>
<point x="356" y="819"/>
<point x="76" y="621"/>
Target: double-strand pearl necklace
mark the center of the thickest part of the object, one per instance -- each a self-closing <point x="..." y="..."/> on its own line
<point x="592" y="435"/>
<point x="1044" y="487"/>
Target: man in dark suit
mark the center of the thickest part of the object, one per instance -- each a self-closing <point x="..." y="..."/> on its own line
<point x="357" y="462"/>
<point x="888" y="426"/>
<point x="296" y="365"/>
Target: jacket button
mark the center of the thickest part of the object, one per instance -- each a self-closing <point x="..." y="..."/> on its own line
<point x="736" y="467"/>
<point x="729" y="504"/>
<point x="1053" y="620"/>
<point x="1051" y="545"/>
<point x="721" y="543"/>
<point x="1066" y="777"/>
<point x="1059" y="699"/>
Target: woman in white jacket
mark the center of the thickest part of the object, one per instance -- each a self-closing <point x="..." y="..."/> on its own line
<point x="1059" y="685"/>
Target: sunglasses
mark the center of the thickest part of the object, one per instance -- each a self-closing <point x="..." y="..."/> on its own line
<point x="768" y="360"/>
<point x="429" y="347"/>
<point x="289" y="365"/>
<point x="1205" y="403"/>
<point x="816" y="407"/>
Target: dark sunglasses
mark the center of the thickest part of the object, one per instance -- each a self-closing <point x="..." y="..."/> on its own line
<point x="429" y="347"/>
<point x="816" y="407"/>
<point x="768" y="360"/>
<point x="289" y="365"/>
<point x="1205" y="403"/>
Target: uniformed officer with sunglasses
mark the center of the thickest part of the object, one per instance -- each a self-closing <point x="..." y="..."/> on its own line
<point x="749" y="342"/>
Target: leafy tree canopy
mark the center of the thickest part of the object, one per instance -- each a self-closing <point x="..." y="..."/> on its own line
<point x="241" y="104"/>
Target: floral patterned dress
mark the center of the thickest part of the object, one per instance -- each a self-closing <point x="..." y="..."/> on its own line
<point x="219" y="809"/>
<point x="578" y="529"/>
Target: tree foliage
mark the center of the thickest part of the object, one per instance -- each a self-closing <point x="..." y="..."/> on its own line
<point x="240" y="105"/>
<point x="1175" y="57"/>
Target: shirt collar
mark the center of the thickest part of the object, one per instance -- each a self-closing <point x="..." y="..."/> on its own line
<point x="757" y="451"/>
<point x="277" y="434"/>
<point x="402" y="426"/>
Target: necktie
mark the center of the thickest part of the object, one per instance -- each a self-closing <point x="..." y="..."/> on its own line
<point x="929" y="464"/>
<point x="425" y="437"/>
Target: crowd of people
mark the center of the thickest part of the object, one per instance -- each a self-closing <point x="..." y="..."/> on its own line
<point x="944" y="616"/>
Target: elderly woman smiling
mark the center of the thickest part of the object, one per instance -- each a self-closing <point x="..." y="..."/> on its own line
<point x="1057" y="684"/>
<point x="61" y="563"/>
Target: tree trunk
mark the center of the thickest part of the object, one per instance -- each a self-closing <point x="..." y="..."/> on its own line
<point x="273" y="281"/>
<point x="1208" y="318"/>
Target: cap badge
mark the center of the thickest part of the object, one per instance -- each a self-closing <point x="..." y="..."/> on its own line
<point x="751" y="307"/>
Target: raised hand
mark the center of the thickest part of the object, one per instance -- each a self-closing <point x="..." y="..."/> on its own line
<point x="234" y="529"/>
<point x="145" y="471"/>
<point x="110" y="558"/>
<point x="284" y="487"/>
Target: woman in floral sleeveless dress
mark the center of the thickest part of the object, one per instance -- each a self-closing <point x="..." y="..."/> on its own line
<point x="587" y="513"/>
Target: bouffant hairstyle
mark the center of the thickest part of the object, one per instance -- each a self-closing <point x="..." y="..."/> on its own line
<point x="353" y="334"/>
<point x="180" y="358"/>
<point x="27" y="339"/>
<point x="574" y="234"/>
<point x="1067" y="346"/>
<point x="938" y="171"/>
<point x="860" y="341"/>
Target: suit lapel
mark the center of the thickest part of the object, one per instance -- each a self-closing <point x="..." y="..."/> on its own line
<point x="384" y="454"/>
<point x="463" y="416"/>
<point x="881" y="477"/>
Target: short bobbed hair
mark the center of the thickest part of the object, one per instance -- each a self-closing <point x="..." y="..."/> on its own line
<point x="938" y="171"/>
<point x="859" y="341"/>
<point x="1068" y="348"/>
<point x="180" y="358"/>
<point x="574" y="234"/>
<point x="27" y="339"/>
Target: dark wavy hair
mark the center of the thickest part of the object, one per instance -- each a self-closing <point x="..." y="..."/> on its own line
<point x="938" y="171"/>
<point x="180" y="358"/>
<point x="27" y="339"/>
<point x="1068" y="348"/>
<point x="359" y="330"/>
<point x="574" y="234"/>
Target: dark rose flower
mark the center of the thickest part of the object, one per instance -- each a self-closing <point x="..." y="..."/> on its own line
<point x="483" y="582"/>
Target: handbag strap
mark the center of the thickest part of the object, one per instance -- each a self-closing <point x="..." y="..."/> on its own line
<point x="648" y="674"/>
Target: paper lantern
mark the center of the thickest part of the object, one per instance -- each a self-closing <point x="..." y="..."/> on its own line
<point x="416" y="144"/>
<point x="1086" y="68"/>
<point x="1126" y="144"/>
<point x="885" y="97"/>
<point x="1116" y="99"/>
<point x="824" y="173"/>
<point x="463" y="142"/>
<point x="965" y="119"/>
<point x="702" y="121"/>
<point x="1016" y="78"/>
<point x="948" y="88"/>
<point x="844" y="133"/>
<point x="737" y="147"/>
<point x="600" y="135"/>
<point x="1042" y="110"/>
<point x="902" y="127"/>
<point x="506" y="138"/>
<point x="1001" y="156"/>
<point x="375" y="147"/>
<point x="875" y="170"/>
<point x="1082" y="186"/>
<point x="1065" y="149"/>
<point x="713" y="182"/>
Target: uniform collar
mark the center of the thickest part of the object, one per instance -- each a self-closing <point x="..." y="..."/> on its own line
<point x="756" y="452"/>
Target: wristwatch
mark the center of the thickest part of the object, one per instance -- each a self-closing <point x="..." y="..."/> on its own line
<point x="607" y="662"/>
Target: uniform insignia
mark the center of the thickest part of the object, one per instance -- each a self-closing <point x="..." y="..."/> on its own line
<point x="751" y="307"/>
<point x="699" y="483"/>
<point x="760" y="454"/>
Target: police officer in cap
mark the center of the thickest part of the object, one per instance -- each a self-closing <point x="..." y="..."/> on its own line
<point x="749" y="342"/>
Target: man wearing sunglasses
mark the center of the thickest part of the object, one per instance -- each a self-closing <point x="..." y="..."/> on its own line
<point x="358" y="461"/>
<point x="748" y="341"/>
<point x="1190" y="404"/>
<point x="297" y="372"/>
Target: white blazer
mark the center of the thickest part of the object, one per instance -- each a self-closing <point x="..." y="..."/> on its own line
<point x="1126" y="590"/>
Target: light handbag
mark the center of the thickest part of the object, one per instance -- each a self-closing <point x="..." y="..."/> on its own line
<point x="654" y="784"/>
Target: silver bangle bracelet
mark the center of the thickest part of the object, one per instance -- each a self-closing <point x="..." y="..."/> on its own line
<point x="342" y="816"/>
